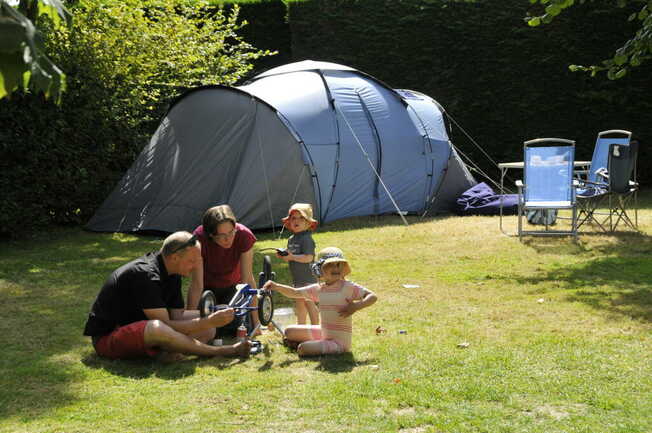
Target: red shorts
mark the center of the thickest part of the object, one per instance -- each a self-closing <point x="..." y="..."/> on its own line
<point x="125" y="342"/>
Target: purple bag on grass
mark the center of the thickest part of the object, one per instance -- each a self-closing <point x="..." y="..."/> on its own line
<point x="482" y="200"/>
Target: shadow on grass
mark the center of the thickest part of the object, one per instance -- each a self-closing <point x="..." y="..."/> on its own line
<point x="616" y="281"/>
<point x="142" y="368"/>
<point x="147" y="368"/>
<point x="342" y="363"/>
<point x="47" y="285"/>
<point x="620" y="242"/>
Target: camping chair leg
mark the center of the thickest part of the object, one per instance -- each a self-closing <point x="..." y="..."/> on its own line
<point x="611" y="207"/>
<point x="635" y="200"/>
<point x="582" y="216"/>
<point x="629" y="222"/>
<point x="622" y="214"/>
<point x="520" y="221"/>
<point x="588" y="213"/>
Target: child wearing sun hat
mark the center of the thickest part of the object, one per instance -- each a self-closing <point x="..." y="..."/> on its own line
<point x="337" y="298"/>
<point x="301" y="254"/>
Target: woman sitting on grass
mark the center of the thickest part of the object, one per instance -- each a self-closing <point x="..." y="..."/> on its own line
<point x="337" y="298"/>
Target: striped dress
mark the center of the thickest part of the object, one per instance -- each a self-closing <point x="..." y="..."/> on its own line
<point x="330" y="299"/>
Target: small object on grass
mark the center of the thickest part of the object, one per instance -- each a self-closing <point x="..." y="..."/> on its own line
<point x="541" y="300"/>
<point x="411" y="286"/>
<point x="402" y="331"/>
<point x="463" y="345"/>
<point x="397" y="380"/>
<point x="241" y="333"/>
<point x="380" y="330"/>
<point x="256" y="347"/>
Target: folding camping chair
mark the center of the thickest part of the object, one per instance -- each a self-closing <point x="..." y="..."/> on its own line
<point x="622" y="185"/>
<point x="548" y="182"/>
<point x="593" y="190"/>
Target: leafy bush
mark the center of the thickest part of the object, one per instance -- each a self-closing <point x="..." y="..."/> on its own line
<point x="124" y="62"/>
<point x="142" y="53"/>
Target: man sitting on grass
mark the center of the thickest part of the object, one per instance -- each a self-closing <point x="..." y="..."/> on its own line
<point x="140" y="311"/>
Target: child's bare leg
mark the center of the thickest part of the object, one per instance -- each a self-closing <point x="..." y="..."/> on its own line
<point x="301" y="311"/>
<point x="319" y="347"/>
<point x="313" y="312"/>
<point x="300" y="333"/>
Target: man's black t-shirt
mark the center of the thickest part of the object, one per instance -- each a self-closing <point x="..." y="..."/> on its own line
<point x="143" y="283"/>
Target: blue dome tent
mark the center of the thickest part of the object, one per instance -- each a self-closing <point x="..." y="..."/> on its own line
<point x="311" y="132"/>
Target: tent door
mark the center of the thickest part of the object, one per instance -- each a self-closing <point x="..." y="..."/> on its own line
<point x="378" y="163"/>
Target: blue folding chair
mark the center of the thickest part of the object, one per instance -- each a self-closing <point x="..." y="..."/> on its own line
<point x="548" y="182"/>
<point x="593" y="190"/>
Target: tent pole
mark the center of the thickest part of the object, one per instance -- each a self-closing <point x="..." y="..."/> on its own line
<point x="371" y="164"/>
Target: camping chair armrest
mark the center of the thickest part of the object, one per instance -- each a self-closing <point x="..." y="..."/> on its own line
<point x="603" y="173"/>
<point x="590" y="183"/>
<point x="520" y="186"/>
<point x="581" y="174"/>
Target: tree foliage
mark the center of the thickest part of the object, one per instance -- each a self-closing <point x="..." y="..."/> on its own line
<point x="632" y="53"/>
<point x="124" y="62"/>
<point x="23" y="61"/>
<point x="139" y="54"/>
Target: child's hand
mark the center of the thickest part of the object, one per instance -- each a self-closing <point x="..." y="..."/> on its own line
<point x="348" y="309"/>
<point x="269" y="285"/>
<point x="287" y="257"/>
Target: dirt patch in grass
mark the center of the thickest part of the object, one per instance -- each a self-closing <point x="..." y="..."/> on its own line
<point x="556" y="412"/>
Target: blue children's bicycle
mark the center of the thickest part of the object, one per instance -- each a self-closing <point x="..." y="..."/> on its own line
<point x="242" y="302"/>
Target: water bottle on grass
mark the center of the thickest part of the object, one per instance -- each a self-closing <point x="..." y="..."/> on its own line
<point x="241" y="334"/>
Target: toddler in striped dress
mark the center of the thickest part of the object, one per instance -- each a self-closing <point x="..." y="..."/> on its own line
<point x="337" y="298"/>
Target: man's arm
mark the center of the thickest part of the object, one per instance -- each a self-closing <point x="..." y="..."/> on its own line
<point x="190" y="326"/>
<point x="196" y="286"/>
<point x="247" y="268"/>
<point x="182" y="314"/>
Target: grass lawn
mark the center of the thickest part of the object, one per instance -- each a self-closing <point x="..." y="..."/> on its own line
<point x="545" y="335"/>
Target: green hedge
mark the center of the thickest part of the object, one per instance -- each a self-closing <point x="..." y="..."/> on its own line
<point x="56" y="163"/>
<point x="267" y="29"/>
<point x="501" y="80"/>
